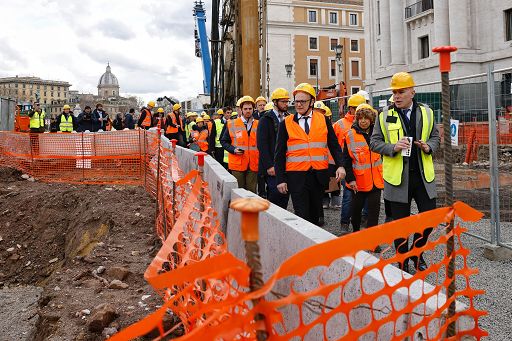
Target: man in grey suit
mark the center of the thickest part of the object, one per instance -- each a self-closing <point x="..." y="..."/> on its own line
<point x="406" y="135"/>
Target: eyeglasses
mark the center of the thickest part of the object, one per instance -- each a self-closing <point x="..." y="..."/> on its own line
<point x="301" y="103"/>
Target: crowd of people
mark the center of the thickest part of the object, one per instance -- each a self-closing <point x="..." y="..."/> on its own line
<point x="305" y="156"/>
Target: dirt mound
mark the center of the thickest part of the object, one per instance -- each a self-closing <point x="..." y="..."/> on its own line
<point x="74" y="240"/>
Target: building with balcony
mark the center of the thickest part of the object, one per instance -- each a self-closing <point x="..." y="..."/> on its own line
<point x="302" y="36"/>
<point x="400" y="35"/>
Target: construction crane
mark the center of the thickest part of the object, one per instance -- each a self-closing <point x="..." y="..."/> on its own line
<point x="202" y="49"/>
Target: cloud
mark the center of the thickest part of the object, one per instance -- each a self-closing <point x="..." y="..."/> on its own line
<point x="150" y="44"/>
<point x="116" y="29"/>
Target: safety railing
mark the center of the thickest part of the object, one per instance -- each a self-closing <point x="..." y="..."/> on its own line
<point x="418" y="7"/>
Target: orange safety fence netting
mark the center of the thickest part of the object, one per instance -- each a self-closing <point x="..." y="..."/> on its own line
<point x="87" y="158"/>
<point x="330" y="291"/>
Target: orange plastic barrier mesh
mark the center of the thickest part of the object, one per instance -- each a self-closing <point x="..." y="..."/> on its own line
<point x="330" y="291"/>
<point x="88" y="158"/>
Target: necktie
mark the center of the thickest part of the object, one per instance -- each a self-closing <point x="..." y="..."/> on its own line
<point x="306" y="125"/>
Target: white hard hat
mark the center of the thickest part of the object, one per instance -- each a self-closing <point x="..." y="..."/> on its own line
<point x="364" y="94"/>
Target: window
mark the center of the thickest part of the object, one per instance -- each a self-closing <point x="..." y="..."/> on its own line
<point x="333" y="18"/>
<point x="354" y="45"/>
<point x="354" y="89"/>
<point x="508" y="24"/>
<point x="23" y="86"/>
<point x="313" y="43"/>
<point x="378" y="17"/>
<point x="380" y="57"/>
<point x="354" y="68"/>
<point x="353" y="19"/>
<point x="113" y="93"/>
<point x="51" y="94"/>
<point x="312" y="16"/>
<point x="424" y="50"/>
<point x="313" y="68"/>
<point x="52" y="87"/>
<point x="59" y="94"/>
<point x="333" y="44"/>
<point x="333" y="68"/>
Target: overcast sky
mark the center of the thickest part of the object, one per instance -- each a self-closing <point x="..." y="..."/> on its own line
<point x="149" y="44"/>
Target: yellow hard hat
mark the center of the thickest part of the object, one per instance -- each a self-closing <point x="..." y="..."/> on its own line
<point x="307" y="88"/>
<point x="246" y="99"/>
<point x="176" y="106"/>
<point x="269" y="106"/>
<point x="401" y="80"/>
<point x="190" y="114"/>
<point x="220" y="112"/>
<point x="279" y="93"/>
<point x="365" y="94"/>
<point x="206" y="117"/>
<point x="234" y="114"/>
<point x="238" y="102"/>
<point x="261" y="98"/>
<point x="160" y="110"/>
<point x="203" y="113"/>
<point x="199" y="119"/>
<point x="151" y="104"/>
<point x="66" y="107"/>
<point x="391" y="99"/>
<point x="365" y="106"/>
<point x="328" y="111"/>
<point x="319" y="105"/>
<point x="355" y="100"/>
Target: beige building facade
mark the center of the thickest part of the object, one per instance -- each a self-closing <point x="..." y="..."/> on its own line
<point x="304" y="34"/>
<point x="52" y="94"/>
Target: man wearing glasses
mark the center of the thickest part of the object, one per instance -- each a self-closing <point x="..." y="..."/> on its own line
<point x="267" y="134"/>
<point x="304" y="141"/>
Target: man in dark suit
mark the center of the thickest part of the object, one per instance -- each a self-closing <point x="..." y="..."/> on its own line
<point x="267" y="134"/>
<point x="304" y="141"/>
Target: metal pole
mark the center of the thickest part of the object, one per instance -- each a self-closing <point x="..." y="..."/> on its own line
<point x="493" y="154"/>
<point x="250" y="209"/>
<point x="445" y="67"/>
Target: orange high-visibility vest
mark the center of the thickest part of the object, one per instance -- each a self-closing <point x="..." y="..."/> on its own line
<point x="202" y="140"/>
<point x="147" y="119"/>
<point x="169" y="129"/>
<point x="367" y="165"/>
<point x="241" y="139"/>
<point x="307" y="151"/>
<point x="342" y="126"/>
<point x="209" y="124"/>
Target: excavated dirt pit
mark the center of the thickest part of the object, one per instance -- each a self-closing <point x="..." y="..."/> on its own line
<point x="73" y="241"/>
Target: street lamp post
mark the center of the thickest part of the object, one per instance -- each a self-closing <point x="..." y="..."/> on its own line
<point x="289" y="68"/>
<point x="339" y="61"/>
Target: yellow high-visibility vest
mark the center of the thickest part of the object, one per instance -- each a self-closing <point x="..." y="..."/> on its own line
<point x="393" y="166"/>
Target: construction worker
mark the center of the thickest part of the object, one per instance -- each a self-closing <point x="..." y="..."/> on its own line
<point x="364" y="167"/>
<point x="341" y="128"/>
<point x="407" y="125"/>
<point x="260" y="107"/>
<point x="218" y="151"/>
<point x="191" y="122"/>
<point x="212" y="131"/>
<point x="172" y="123"/>
<point x="267" y="135"/>
<point x="66" y="122"/>
<point x="239" y="140"/>
<point x="234" y="116"/>
<point x="146" y="119"/>
<point x="302" y="152"/>
<point x="36" y="126"/>
<point x="199" y="136"/>
<point x="227" y="114"/>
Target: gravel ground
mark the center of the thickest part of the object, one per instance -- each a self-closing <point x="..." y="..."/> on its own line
<point x="494" y="276"/>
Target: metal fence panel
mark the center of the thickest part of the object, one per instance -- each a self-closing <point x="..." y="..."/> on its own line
<point x="7" y="110"/>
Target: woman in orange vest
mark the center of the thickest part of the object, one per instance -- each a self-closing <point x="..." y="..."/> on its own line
<point x="199" y="136"/>
<point x="172" y="123"/>
<point x="364" y="167"/>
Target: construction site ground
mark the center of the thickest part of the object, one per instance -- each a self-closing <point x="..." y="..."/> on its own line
<point x="72" y="259"/>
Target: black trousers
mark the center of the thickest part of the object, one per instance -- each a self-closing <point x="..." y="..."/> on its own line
<point x="173" y="136"/>
<point x="219" y="156"/>
<point x="400" y="210"/>
<point x="274" y="196"/>
<point x="307" y="199"/>
<point x="262" y="186"/>
<point x="358" y="202"/>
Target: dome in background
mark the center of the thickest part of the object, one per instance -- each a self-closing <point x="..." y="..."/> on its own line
<point x="108" y="78"/>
